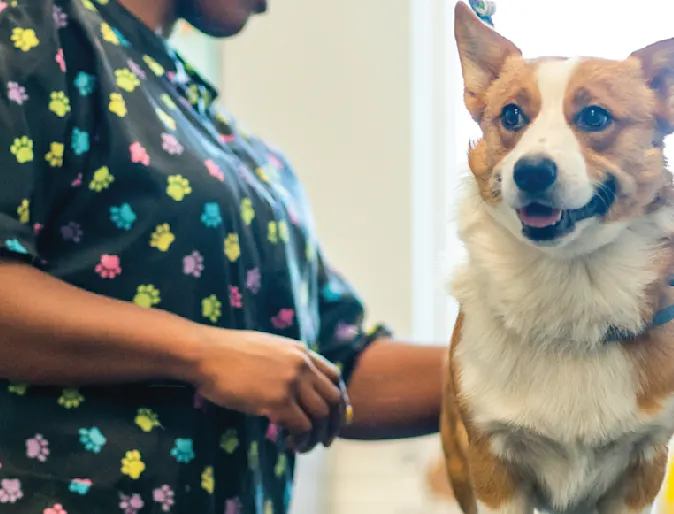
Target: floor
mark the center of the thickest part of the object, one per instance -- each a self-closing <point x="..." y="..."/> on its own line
<point x="385" y="478"/>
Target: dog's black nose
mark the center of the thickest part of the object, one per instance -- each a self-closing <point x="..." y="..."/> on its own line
<point x="535" y="174"/>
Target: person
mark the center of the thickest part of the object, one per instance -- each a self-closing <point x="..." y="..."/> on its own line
<point x="171" y="333"/>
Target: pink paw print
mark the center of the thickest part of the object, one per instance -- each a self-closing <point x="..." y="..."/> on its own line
<point x="214" y="170"/>
<point x="109" y="266"/>
<point x="233" y="506"/>
<point x="235" y="297"/>
<point x="139" y="154"/>
<point x="37" y="448"/>
<point x="283" y="319"/>
<point x="60" y="60"/>
<point x="56" y="509"/>
<point x="164" y="496"/>
<point x="171" y="145"/>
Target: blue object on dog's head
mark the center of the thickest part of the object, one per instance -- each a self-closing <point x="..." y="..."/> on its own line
<point x="484" y="10"/>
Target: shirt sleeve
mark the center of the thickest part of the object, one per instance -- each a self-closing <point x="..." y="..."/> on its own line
<point x="342" y="336"/>
<point x="34" y="110"/>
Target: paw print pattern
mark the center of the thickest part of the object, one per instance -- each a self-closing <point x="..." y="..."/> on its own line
<point x="122" y="178"/>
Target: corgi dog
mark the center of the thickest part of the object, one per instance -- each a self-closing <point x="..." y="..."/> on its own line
<point x="560" y="383"/>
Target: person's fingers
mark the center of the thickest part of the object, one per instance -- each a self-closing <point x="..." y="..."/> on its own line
<point x="338" y="416"/>
<point x="325" y="366"/>
<point x="318" y="409"/>
<point x="293" y="419"/>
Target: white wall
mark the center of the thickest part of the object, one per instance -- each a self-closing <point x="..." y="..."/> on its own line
<point x="353" y="91"/>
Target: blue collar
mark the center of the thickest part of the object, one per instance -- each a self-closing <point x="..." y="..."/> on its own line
<point x="660" y="318"/>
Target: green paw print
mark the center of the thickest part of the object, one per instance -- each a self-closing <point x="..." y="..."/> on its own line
<point x="211" y="308"/>
<point x="117" y="105"/>
<point x="101" y="179"/>
<point x="18" y="389"/>
<point x="126" y="80"/>
<point x="253" y="456"/>
<point x="70" y="398"/>
<point x="229" y="441"/>
<point x="247" y="211"/>
<point x="59" y="103"/>
<point x="280" y="468"/>
<point x="168" y="101"/>
<point x="283" y="230"/>
<point x="147" y="296"/>
<point x="23" y="211"/>
<point x="22" y="149"/>
<point x="168" y="122"/>
<point x="55" y="155"/>
<point x="147" y="420"/>
<point x="272" y="235"/>
<point x="178" y="187"/>
<point x="162" y="237"/>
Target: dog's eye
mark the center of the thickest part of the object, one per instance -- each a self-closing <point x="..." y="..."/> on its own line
<point x="513" y="118"/>
<point x="593" y="119"/>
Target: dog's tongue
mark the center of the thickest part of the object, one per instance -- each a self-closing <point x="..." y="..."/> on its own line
<point x="539" y="216"/>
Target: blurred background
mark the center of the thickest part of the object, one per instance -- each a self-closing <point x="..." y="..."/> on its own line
<point x="365" y="99"/>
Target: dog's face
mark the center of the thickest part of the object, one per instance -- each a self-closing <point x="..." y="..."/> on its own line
<point x="571" y="148"/>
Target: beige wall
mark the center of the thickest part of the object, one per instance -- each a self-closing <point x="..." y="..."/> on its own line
<point x="353" y="91"/>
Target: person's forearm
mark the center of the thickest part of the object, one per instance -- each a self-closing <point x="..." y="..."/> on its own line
<point x="396" y="391"/>
<point x="56" y="334"/>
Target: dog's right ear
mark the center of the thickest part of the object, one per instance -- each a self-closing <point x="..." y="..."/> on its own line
<point x="482" y="52"/>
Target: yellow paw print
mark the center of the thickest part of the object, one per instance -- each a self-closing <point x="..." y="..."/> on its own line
<point x="283" y="230"/>
<point x="232" y="248"/>
<point x="88" y="4"/>
<point x="168" y="101"/>
<point x="207" y="480"/>
<point x="162" y="237"/>
<point x="18" y="389"/>
<point x="268" y="507"/>
<point x="211" y="308"/>
<point x="126" y="80"/>
<point x="70" y="398"/>
<point x="103" y="2"/>
<point x="154" y="66"/>
<point x="147" y="420"/>
<point x="178" y="187"/>
<point x="55" y="155"/>
<point x="108" y="34"/>
<point x="169" y="122"/>
<point x="132" y="465"/>
<point x="24" y="39"/>
<point x="101" y="179"/>
<point x="59" y="103"/>
<point x="23" y="211"/>
<point x="22" y="149"/>
<point x="272" y="235"/>
<point x="309" y="252"/>
<point x="247" y="211"/>
<point x="147" y="296"/>
<point x="117" y="104"/>
<point x="262" y="174"/>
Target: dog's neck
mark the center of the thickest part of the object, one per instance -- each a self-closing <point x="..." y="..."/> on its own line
<point x="558" y="302"/>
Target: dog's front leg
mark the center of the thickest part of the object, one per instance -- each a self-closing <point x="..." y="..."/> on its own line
<point x="498" y="489"/>
<point x="640" y="488"/>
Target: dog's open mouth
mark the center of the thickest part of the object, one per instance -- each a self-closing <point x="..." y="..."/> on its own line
<point x="542" y="222"/>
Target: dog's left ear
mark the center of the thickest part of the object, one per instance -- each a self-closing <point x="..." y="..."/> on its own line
<point x="657" y="63"/>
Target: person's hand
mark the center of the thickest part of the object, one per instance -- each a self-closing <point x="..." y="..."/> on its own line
<point x="266" y="375"/>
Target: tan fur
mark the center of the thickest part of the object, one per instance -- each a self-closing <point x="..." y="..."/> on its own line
<point x="639" y="93"/>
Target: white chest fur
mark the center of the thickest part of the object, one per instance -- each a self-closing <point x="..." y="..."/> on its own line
<point x="531" y="366"/>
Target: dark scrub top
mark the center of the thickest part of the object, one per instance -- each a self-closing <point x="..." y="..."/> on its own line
<point x="118" y="175"/>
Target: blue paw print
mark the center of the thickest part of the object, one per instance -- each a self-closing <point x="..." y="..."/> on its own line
<point x="79" y="486"/>
<point x="80" y="141"/>
<point x="85" y="83"/>
<point x="183" y="450"/>
<point x="122" y="40"/>
<point x="329" y="294"/>
<point x="211" y="216"/>
<point x="92" y="439"/>
<point x="123" y="216"/>
<point x="13" y="245"/>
